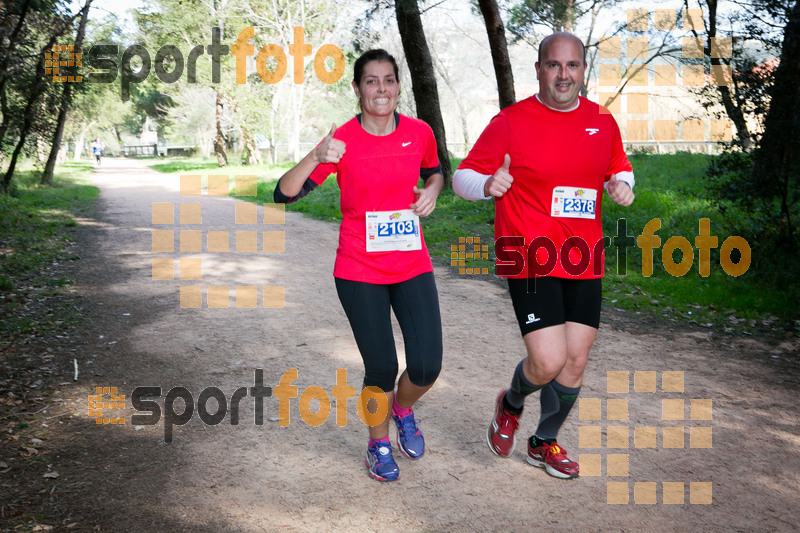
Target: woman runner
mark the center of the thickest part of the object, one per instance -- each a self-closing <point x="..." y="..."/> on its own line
<point x="382" y="261"/>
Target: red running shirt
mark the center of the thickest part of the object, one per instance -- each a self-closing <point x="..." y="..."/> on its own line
<point x="378" y="173"/>
<point x="549" y="149"/>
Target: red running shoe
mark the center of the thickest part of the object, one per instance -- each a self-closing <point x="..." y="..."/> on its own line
<point x="553" y="458"/>
<point x="500" y="435"/>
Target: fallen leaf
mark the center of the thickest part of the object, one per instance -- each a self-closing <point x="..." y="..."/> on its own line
<point x="42" y="527"/>
<point x="27" y="452"/>
<point x="51" y="475"/>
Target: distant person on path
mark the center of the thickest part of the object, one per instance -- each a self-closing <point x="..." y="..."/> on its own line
<point x="382" y="262"/>
<point x="97" y="148"/>
<point x="545" y="161"/>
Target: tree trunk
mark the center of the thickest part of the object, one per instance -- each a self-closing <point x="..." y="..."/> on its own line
<point x="6" y="54"/>
<point x="497" y="43"/>
<point x="76" y="156"/>
<point x="205" y="138"/>
<point x="219" y="141"/>
<point x="28" y="115"/>
<point x="41" y="150"/>
<point x="777" y="166"/>
<point x="66" y="101"/>
<point x="6" y="118"/>
<point x="26" y="128"/>
<point x="273" y="150"/>
<point x="49" y="167"/>
<point x="61" y="158"/>
<point x="733" y="111"/>
<point x="294" y="131"/>
<point x="423" y="81"/>
<point x="252" y="155"/>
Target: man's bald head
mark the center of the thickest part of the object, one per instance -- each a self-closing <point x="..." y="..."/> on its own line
<point x="556" y="36"/>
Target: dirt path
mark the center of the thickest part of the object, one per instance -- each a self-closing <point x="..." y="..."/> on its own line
<point x="303" y="478"/>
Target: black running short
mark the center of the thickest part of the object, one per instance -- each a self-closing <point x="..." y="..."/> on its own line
<point x="543" y="302"/>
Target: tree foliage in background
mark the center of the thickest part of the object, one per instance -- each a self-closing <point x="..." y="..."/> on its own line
<point x="532" y="20"/>
<point x="65" y="100"/>
<point x="284" y="106"/>
<point x="27" y="96"/>
<point x="189" y="25"/>
<point x="776" y="173"/>
<point x="249" y="113"/>
<point x="97" y="110"/>
<point x="528" y="16"/>
<point x="765" y="185"/>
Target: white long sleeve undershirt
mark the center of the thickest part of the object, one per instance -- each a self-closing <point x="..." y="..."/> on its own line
<point x="468" y="184"/>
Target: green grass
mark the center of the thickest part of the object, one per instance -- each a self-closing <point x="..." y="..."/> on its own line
<point x="670" y="187"/>
<point x="36" y="226"/>
<point x="208" y="165"/>
<point x="673" y="189"/>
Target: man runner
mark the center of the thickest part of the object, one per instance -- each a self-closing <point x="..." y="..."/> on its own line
<point x="545" y="161"/>
<point x="97" y="148"/>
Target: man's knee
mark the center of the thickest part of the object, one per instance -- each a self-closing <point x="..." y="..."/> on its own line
<point x="576" y="361"/>
<point x="541" y="369"/>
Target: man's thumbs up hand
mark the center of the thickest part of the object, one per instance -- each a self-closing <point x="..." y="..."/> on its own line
<point x="501" y="181"/>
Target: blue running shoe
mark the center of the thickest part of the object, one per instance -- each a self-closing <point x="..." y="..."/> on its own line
<point x="409" y="437"/>
<point x="381" y="463"/>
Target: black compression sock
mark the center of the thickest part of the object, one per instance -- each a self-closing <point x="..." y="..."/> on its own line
<point x="520" y="387"/>
<point x="536" y="441"/>
<point x="557" y="401"/>
<point x="508" y="408"/>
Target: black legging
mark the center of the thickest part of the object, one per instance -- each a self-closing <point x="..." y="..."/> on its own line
<point x="416" y="306"/>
